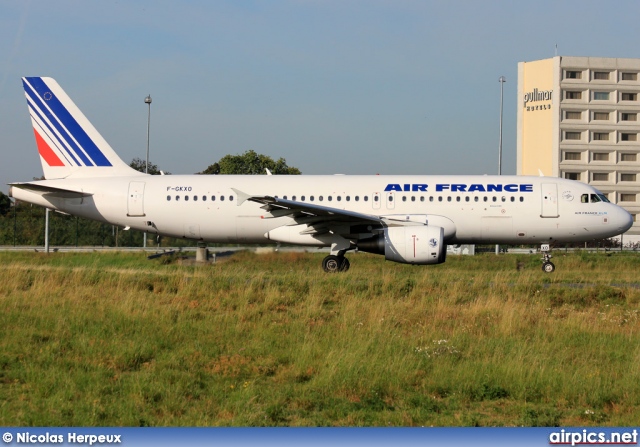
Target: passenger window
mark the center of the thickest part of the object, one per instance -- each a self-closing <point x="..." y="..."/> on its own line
<point x="457" y="198"/>
<point x="357" y="198"/>
<point x="213" y="198"/>
<point x="230" y="198"/>
<point x="430" y="198"/>
<point x="222" y="198"/>
<point x="513" y="199"/>
<point x="293" y="198"/>
<point x="329" y="198"/>
<point x="204" y="198"/>
<point x="422" y="198"/>
<point x="311" y="198"/>
<point x="449" y="199"/>
<point x="375" y="198"/>
<point x="390" y="198"/>
<point x="504" y="199"/>
<point x="186" y="198"/>
<point x="486" y="199"/>
<point x="339" y="198"/>
<point x="320" y="199"/>
<point x="195" y="198"/>
<point x="495" y="199"/>
<point x="404" y="198"/>
<point x="413" y="198"/>
<point x="476" y="198"/>
<point x="302" y="198"/>
<point x="522" y="199"/>
<point x="366" y="198"/>
<point x="440" y="199"/>
<point x="348" y="198"/>
<point x="284" y="197"/>
<point x="466" y="199"/>
<point x="168" y="198"/>
<point x="177" y="198"/>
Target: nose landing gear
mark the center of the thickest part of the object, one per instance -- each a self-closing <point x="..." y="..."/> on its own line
<point x="547" y="265"/>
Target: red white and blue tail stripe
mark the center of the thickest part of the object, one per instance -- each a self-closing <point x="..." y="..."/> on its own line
<point x="67" y="142"/>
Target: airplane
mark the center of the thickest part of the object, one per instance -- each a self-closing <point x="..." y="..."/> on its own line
<point x="406" y="218"/>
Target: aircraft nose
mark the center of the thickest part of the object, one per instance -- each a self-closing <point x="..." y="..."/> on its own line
<point x="623" y="220"/>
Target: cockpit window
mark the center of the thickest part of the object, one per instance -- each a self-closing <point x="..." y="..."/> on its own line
<point x="593" y="198"/>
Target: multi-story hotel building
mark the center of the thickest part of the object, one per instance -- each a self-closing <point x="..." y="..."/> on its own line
<point x="578" y="118"/>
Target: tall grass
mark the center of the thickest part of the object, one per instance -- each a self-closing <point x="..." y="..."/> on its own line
<point x="263" y="340"/>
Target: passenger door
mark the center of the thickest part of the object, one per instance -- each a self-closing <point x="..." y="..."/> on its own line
<point x="549" y="194"/>
<point x="135" y="199"/>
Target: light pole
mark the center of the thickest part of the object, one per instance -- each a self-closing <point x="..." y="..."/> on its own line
<point x="147" y="101"/>
<point x="501" y="80"/>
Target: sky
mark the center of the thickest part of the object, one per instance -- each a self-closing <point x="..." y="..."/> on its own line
<point x="332" y="86"/>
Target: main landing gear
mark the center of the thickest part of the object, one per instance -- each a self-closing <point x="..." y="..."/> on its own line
<point x="335" y="263"/>
<point x="547" y="265"/>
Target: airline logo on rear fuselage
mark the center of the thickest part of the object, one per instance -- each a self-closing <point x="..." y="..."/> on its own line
<point x="461" y="187"/>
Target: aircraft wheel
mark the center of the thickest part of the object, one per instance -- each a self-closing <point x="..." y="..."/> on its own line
<point x="334" y="264"/>
<point x="331" y="264"/>
<point x="548" y="267"/>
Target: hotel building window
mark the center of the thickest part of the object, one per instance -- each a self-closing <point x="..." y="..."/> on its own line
<point x="600" y="156"/>
<point x="572" y="95"/>
<point x="601" y="96"/>
<point x="600" y="136"/>
<point x="626" y="197"/>
<point x="629" y="77"/>
<point x="628" y="96"/>
<point x="572" y="135"/>
<point x="601" y="116"/>
<point x="628" y="157"/>
<point x="572" y="175"/>
<point x="628" y="137"/>
<point x="572" y="115"/>
<point x="573" y="74"/>
<point x="572" y="156"/>
<point x="627" y="177"/>
<point x="600" y="176"/>
<point x="628" y="116"/>
<point x="601" y="75"/>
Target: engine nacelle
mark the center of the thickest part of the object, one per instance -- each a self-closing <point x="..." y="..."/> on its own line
<point x="408" y="245"/>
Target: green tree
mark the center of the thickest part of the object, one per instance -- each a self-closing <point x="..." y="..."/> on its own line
<point x="250" y="163"/>
<point x="139" y="164"/>
<point x="5" y="204"/>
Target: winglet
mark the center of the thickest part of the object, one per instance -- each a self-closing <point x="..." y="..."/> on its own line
<point x="242" y="196"/>
<point x="268" y="172"/>
<point x="540" y="172"/>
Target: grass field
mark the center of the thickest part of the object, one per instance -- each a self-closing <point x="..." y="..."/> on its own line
<point x="266" y="340"/>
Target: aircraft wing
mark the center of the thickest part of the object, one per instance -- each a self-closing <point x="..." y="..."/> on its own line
<point x="50" y="190"/>
<point x="310" y="213"/>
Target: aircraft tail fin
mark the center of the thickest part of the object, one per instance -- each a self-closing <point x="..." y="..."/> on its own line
<point x="67" y="142"/>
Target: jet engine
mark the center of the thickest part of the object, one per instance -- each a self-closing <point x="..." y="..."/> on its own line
<point x="408" y="245"/>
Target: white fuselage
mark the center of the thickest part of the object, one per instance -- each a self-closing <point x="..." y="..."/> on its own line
<point x="471" y="209"/>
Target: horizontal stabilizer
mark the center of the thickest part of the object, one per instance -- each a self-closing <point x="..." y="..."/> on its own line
<point x="50" y="190"/>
